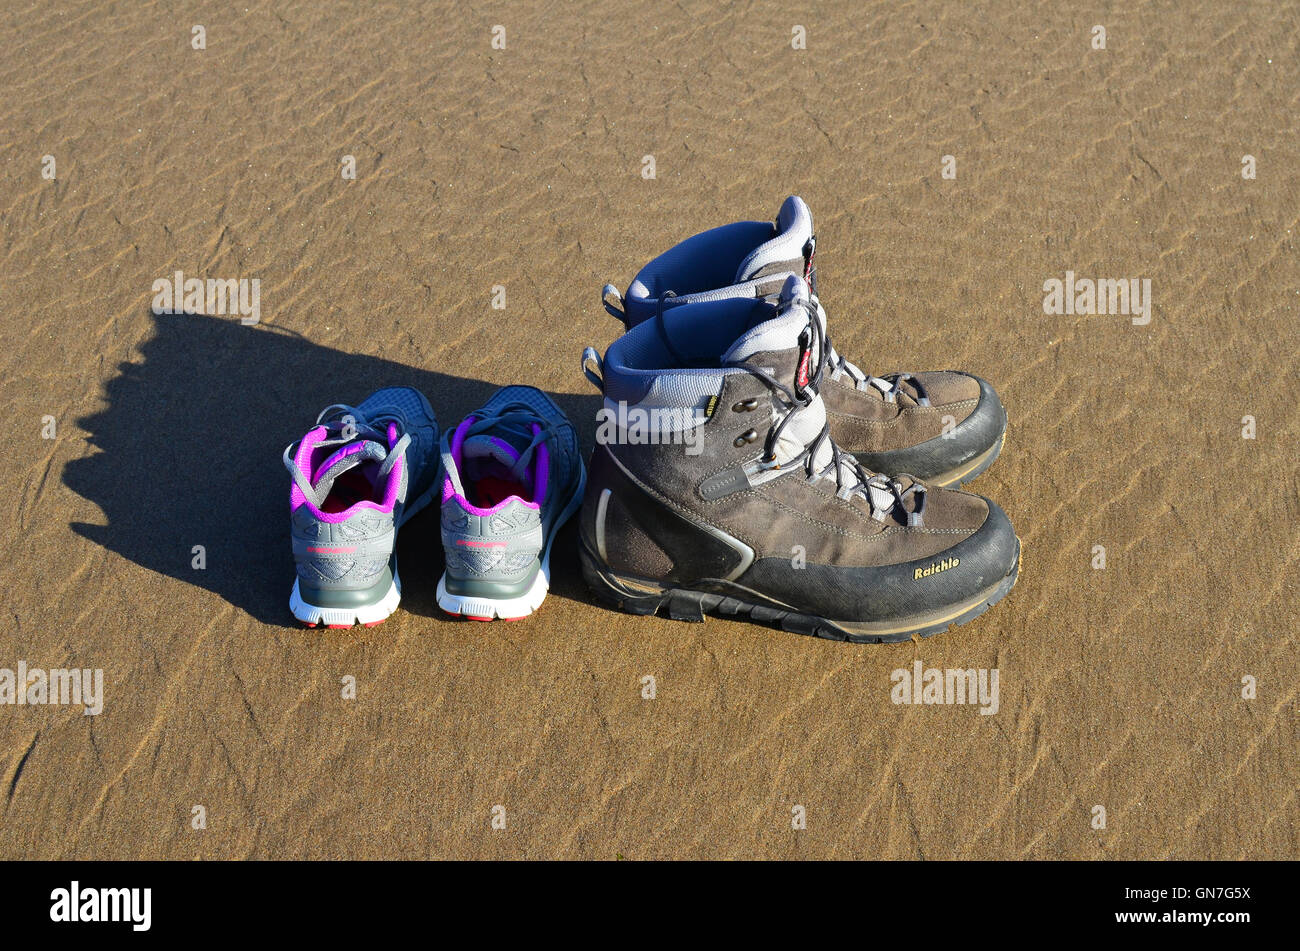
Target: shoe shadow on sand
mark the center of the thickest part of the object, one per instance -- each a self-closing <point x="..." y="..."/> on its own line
<point x="188" y="453"/>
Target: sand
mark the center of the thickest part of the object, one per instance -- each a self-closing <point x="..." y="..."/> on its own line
<point x="522" y="168"/>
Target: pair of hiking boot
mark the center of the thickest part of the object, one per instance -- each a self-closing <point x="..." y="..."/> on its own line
<point x="746" y="469"/>
<point x="508" y="476"/>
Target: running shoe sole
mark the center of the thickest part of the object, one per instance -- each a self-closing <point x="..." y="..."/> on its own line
<point x="309" y="615"/>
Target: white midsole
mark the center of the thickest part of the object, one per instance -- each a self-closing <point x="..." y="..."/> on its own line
<point x="466" y="604"/>
<point x="365" y="614"/>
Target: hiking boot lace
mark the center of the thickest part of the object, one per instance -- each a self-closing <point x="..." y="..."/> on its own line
<point x="880" y="492"/>
<point x="889" y="385"/>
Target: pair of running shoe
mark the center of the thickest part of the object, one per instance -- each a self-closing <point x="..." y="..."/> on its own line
<point x="508" y="476"/>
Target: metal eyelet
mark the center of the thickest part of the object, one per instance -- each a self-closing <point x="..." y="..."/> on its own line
<point x="750" y="435"/>
<point x="745" y="406"/>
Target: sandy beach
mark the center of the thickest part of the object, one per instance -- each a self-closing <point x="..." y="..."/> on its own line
<point x="1170" y="442"/>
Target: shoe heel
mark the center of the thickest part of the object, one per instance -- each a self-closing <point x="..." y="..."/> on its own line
<point x="348" y="608"/>
<point x="645" y="599"/>
<point x="483" y="601"/>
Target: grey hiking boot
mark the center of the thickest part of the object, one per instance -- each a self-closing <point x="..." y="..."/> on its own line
<point x="715" y="487"/>
<point x="945" y="426"/>
<point x="513" y="476"/>
<point x="358" y="476"/>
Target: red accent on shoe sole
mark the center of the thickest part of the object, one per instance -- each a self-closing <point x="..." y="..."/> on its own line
<point x="337" y="627"/>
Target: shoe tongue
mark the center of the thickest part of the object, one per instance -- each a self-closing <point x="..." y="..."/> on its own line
<point x="355" y="453"/>
<point x="782" y="346"/>
<point x="500" y="448"/>
<point x="789" y="250"/>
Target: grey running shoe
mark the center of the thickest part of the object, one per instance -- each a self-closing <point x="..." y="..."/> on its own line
<point x="512" y="477"/>
<point x="358" y="475"/>
<point x="945" y="426"/>
<point x="720" y="489"/>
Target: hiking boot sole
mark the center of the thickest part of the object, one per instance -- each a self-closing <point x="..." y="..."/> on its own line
<point x="959" y="477"/>
<point x="730" y="600"/>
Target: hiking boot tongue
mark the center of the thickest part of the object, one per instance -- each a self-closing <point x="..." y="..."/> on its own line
<point x="355" y="453"/>
<point x="789" y="251"/>
<point x="783" y="347"/>
<point x="782" y="331"/>
<point x="499" y="448"/>
<point x="786" y="334"/>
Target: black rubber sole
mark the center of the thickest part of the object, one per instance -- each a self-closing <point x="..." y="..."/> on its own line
<point x="684" y="604"/>
<point x="951" y="480"/>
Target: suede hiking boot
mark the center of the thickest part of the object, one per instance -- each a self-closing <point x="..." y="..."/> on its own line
<point x="715" y="487"/>
<point x="943" y="426"/>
